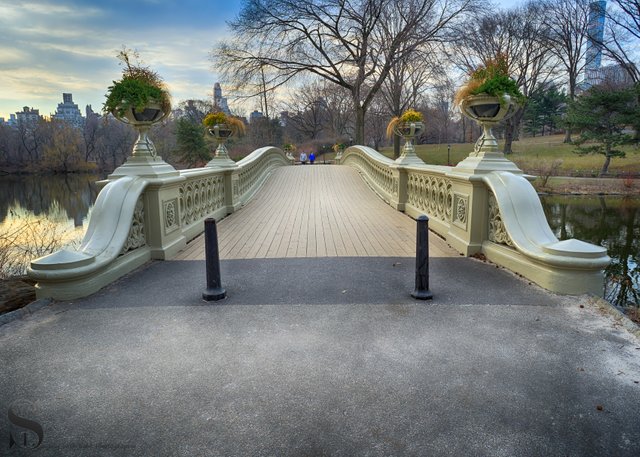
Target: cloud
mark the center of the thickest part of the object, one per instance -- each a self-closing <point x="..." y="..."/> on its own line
<point x="47" y="8"/>
<point x="11" y="55"/>
<point x="43" y="90"/>
<point x="34" y="11"/>
<point x="50" y="47"/>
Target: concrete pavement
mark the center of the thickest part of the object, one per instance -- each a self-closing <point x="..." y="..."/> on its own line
<point x="310" y="357"/>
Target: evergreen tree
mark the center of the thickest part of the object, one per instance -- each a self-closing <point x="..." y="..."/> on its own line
<point x="544" y="110"/>
<point x="191" y="145"/>
<point x="602" y="114"/>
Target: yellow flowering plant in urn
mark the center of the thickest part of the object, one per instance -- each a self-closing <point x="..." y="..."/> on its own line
<point x="222" y="127"/>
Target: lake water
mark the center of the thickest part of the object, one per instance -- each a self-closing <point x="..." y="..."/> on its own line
<point x="55" y="210"/>
<point x="613" y="222"/>
<point x="40" y="214"/>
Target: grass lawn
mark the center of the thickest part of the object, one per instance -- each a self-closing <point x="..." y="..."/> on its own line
<point x="532" y="154"/>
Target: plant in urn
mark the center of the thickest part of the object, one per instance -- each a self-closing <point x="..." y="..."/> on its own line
<point x="139" y="99"/>
<point x="489" y="97"/>
<point x="408" y="126"/>
<point x="222" y="127"/>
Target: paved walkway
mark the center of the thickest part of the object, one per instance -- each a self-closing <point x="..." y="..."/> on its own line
<point x="321" y="356"/>
<point x="315" y="211"/>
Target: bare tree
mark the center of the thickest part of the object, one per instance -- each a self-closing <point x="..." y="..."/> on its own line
<point x="441" y="101"/>
<point x="195" y="109"/>
<point x="63" y="150"/>
<point x="337" y="40"/>
<point x="308" y="111"/>
<point x="115" y="146"/>
<point x="406" y="84"/>
<point x="622" y="39"/>
<point x="568" y="22"/>
<point x="339" y="117"/>
<point x="377" y="122"/>
<point x="90" y="133"/>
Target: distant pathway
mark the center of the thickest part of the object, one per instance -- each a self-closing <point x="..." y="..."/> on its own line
<point x="316" y="211"/>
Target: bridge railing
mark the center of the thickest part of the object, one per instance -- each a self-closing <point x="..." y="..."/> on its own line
<point x="376" y="169"/>
<point x="493" y="212"/>
<point x="138" y="218"/>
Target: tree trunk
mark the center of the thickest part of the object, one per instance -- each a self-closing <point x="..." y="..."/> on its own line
<point x="511" y="131"/>
<point x="464" y="130"/>
<point x="396" y="146"/>
<point x="359" y="123"/>
<point x="508" y="137"/>
<point x="605" y="166"/>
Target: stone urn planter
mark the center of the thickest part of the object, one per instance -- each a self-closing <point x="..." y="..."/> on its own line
<point x="221" y="133"/>
<point x="338" y="148"/>
<point x="488" y="111"/>
<point x="144" y="160"/>
<point x="142" y="120"/>
<point x="408" y="131"/>
<point x="222" y="127"/>
<point x="140" y="99"/>
<point x="288" y="150"/>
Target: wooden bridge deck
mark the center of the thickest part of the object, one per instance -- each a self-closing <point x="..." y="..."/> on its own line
<point x="316" y="211"/>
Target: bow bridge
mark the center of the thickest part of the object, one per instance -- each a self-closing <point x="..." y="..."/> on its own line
<point x="361" y="207"/>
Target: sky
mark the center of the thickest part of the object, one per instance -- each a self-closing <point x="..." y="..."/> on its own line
<point x="48" y="47"/>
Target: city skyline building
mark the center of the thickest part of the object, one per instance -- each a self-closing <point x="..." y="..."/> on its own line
<point x="28" y="117"/>
<point x="254" y="116"/>
<point x="594" y="73"/>
<point x="219" y="101"/>
<point x="69" y="112"/>
<point x="593" y="56"/>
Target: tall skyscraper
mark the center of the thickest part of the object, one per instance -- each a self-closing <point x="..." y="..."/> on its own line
<point x="219" y="101"/>
<point x="593" y="55"/>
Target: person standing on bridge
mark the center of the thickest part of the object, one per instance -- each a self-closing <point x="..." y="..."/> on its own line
<point x="303" y="158"/>
<point x="312" y="158"/>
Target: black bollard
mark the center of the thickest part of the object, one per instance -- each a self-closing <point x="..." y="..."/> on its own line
<point x="422" y="260"/>
<point x="214" y="290"/>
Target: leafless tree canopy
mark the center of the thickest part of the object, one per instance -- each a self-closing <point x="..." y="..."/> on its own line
<point x="622" y="39"/>
<point x="568" y="26"/>
<point x="351" y="43"/>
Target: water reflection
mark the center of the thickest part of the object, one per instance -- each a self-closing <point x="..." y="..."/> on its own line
<point x="71" y="195"/>
<point x="41" y="214"/>
<point x="612" y="222"/>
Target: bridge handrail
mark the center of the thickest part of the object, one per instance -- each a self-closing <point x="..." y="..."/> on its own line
<point x="376" y="169"/>
<point x="136" y="219"/>
<point x="430" y="192"/>
<point x="255" y="168"/>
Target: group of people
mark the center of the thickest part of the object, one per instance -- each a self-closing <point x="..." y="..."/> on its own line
<point x="303" y="158"/>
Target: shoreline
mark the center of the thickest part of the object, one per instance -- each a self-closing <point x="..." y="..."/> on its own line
<point x="568" y="185"/>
